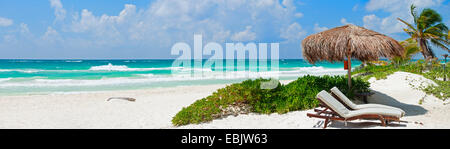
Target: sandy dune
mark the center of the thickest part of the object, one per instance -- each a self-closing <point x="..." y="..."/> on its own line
<point x="154" y="108"/>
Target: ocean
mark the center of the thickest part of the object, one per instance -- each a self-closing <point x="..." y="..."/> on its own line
<point x="26" y="77"/>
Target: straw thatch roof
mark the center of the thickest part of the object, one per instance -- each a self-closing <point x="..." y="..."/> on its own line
<point x="365" y="45"/>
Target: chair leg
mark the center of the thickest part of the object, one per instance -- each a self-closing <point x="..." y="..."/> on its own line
<point x="382" y="120"/>
<point x="325" y="124"/>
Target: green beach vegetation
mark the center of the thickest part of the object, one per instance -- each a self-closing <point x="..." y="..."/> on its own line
<point x="247" y="96"/>
<point x="430" y="69"/>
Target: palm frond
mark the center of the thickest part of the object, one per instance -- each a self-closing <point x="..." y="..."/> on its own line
<point x="428" y="17"/>
<point x="409" y="32"/>
<point x="448" y="35"/>
<point x="443" y="41"/>
<point x="442" y="27"/>
<point x="435" y="31"/>
<point x="430" y="36"/>
<point x="411" y="40"/>
<point x="439" y="44"/>
<point x="411" y="27"/>
<point x="414" y="13"/>
<point x="410" y="50"/>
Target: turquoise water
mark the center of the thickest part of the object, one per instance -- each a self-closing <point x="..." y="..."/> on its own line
<point x="61" y="76"/>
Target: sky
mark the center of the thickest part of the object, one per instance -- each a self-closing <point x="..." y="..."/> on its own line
<point x="147" y="29"/>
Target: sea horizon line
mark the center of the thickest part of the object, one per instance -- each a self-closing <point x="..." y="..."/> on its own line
<point x="148" y="59"/>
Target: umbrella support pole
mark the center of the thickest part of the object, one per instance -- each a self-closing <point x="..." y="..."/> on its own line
<point x="349" y="69"/>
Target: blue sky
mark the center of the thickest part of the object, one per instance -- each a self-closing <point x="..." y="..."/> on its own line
<point x="104" y="29"/>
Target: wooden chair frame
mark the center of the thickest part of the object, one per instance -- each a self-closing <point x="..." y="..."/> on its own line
<point x="329" y="114"/>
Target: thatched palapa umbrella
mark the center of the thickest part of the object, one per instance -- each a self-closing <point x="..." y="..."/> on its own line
<point x="349" y="41"/>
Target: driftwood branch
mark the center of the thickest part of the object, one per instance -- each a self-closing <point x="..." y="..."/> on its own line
<point x="123" y="98"/>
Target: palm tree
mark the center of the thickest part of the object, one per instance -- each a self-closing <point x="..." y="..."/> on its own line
<point x="411" y="48"/>
<point x="428" y="29"/>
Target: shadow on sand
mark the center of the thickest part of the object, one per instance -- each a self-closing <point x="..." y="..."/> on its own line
<point x="364" y="124"/>
<point x="410" y="110"/>
<point x="358" y="124"/>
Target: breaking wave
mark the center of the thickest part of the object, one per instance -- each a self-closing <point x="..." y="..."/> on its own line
<point x="111" y="67"/>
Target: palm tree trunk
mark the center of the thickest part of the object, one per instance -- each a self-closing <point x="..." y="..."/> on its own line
<point x="424" y="49"/>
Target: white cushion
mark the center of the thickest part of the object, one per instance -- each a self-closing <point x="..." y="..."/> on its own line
<point x="343" y="98"/>
<point x="364" y="106"/>
<point x="379" y="111"/>
<point x="331" y="102"/>
<point x="339" y="108"/>
<point x="352" y="105"/>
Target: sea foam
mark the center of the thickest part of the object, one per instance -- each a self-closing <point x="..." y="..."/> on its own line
<point x="111" y="67"/>
<point x="4" y="79"/>
<point x="21" y="70"/>
<point x="150" y="79"/>
<point x="73" y="61"/>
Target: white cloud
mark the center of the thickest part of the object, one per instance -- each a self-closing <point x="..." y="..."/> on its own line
<point x="5" y="22"/>
<point x="169" y="21"/>
<point x="24" y="28"/>
<point x="317" y="28"/>
<point x="245" y="35"/>
<point x="292" y="32"/>
<point x="9" y="39"/>
<point x="51" y="35"/>
<point x="18" y="36"/>
<point x="288" y="3"/>
<point x="88" y="21"/>
<point x="264" y="3"/>
<point x="345" y="22"/>
<point x="397" y="9"/>
<point x="221" y="36"/>
<point x="399" y="5"/>
<point x="371" y="21"/>
<point x="60" y="12"/>
<point x="111" y="30"/>
<point x="166" y="22"/>
<point x="356" y="7"/>
<point x="298" y="15"/>
<point x="135" y="33"/>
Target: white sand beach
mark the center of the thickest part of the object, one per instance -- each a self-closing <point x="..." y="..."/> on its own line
<point x="154" y="108"/>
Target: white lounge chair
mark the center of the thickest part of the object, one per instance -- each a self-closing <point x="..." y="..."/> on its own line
<point x="352" y="106"/>
<point x="339" y="112"/>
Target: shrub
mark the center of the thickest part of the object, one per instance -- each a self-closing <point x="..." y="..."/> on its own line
<point x="297" y="95"/>
<point x="302" y="92"/>
<point x="239" y="94"/>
